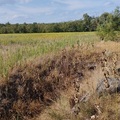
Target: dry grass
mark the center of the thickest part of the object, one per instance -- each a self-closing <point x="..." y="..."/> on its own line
<point x="20" y="48"/>
<point x="109" y="104"/>
<point x="45" y="85"/>
<point x="42" y="82"/>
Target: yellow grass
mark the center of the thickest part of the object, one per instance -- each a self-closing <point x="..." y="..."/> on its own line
<point x="18" y="48"/>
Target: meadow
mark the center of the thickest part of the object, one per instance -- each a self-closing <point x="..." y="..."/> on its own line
<point x="45" y="76"/>
<point x="19" y="48"/>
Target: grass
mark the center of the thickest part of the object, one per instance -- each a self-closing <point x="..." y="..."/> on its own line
<point x="45" y="85"/>
<point x="109" y="104"/>
<point x="18" y="48"/>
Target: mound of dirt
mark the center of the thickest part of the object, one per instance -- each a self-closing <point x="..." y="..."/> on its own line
<point x="32" y="87"/>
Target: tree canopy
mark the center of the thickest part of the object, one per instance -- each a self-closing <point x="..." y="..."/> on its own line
<point x="110" y="21"/>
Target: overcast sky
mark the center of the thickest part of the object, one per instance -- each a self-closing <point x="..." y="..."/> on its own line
<point x="47" y="11"/>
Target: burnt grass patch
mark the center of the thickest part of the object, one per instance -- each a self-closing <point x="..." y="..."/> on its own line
<point x="31" y="87"/>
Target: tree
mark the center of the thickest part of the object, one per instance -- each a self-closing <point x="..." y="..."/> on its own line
<point x="116" y="18"/>
<point x="34" y="28"/>
<point x="107" y="24"/>
<point x="106" y="29"/>
<point x="86" y="22"/>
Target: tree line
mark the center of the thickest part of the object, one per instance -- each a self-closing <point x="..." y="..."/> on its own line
<point x="87" y="23"/>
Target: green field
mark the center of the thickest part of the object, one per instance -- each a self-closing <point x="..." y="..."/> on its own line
<point x="18" y="48"/>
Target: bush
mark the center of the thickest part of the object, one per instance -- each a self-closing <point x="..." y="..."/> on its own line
<point x="109" y="25"/>
<point x="106" y="32"/>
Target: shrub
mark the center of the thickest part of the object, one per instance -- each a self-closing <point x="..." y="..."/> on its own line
<point x="106" y="32"/>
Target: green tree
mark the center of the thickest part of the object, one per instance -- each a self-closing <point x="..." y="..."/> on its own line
<point x="116" y="18"/>
<point x="86" y="22"/>
<point x="106" y="29"/>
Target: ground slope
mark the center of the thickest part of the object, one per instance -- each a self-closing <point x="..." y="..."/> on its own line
<point x="30" y="88"/>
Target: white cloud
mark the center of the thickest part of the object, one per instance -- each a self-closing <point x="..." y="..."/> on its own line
<point x="70" y="3"/>
<point x="22" y="13"/>
<point x="4" y="2"/>
<point x="51" y="10"/>
<point x="35" y="10"/>
<point x="24" y="1"/>
<point x="77" y="4"/>
<point x="108" y="3"/>
<point x="15" y="16"/>
<point x="8" y="15"/>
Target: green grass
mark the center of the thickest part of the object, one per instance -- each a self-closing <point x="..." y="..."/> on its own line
<point x="17" y="48"/>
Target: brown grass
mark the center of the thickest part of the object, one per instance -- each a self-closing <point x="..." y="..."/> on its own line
<point x="44" y="86"/>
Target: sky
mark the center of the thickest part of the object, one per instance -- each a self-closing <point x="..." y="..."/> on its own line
<point x="49" y="11"/>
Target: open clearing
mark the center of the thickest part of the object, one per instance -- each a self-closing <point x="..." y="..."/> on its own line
<point x="38" y="73"/>
<point x="16" y="48"/>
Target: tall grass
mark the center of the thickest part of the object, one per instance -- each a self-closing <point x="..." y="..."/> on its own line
<point x="17" y="48"/>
